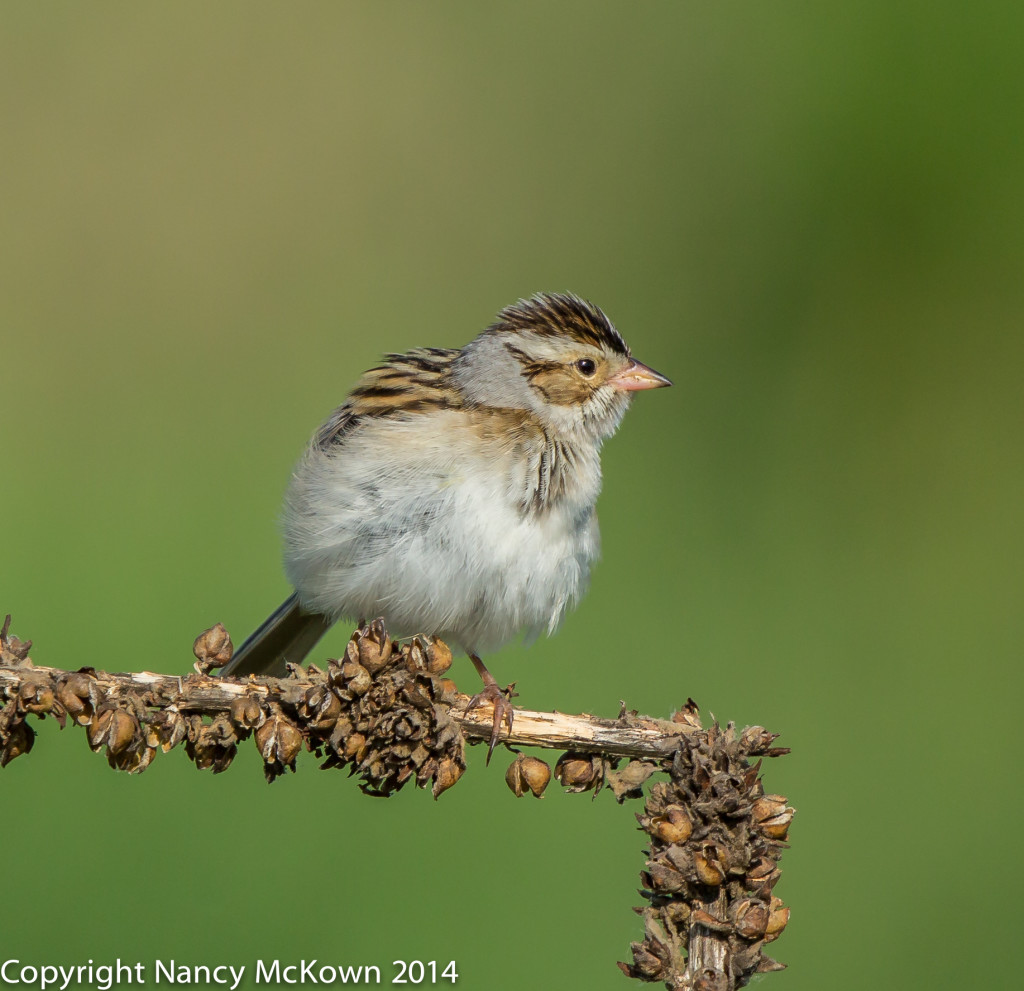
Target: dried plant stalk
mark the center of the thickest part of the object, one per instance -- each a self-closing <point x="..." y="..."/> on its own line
<point x="715" y="843"/>
<point x="388" y="714"/>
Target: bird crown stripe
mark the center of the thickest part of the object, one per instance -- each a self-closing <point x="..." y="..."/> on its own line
<point x="561" y="315"/>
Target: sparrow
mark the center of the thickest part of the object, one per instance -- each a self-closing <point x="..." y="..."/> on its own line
<point x="453" y="492"/>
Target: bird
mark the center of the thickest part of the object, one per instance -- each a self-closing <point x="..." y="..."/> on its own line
<point x="453" y="492"/>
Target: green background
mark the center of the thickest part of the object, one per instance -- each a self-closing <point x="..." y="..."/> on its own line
<point x="809" y="215"/>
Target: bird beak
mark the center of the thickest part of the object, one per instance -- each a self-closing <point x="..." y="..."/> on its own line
<point x="636" y="376"/>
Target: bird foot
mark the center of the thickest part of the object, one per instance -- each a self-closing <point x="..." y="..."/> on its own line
<point x="501" y="699"/>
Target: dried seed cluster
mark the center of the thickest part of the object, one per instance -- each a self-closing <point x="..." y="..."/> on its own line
<point x="386" y="713"/>
<point x="16" y="736"/>
<point x="715" y="843"/>
<point x="382" y="711"/>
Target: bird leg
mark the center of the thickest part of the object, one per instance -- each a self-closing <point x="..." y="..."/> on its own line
<point x="499" y="698"/>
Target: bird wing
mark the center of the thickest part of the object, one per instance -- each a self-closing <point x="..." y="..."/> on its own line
<point x="417" y="380"/>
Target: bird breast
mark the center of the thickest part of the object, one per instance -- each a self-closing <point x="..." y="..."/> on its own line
<point x="471" y="526"/>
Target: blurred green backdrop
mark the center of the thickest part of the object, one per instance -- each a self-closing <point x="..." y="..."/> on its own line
<point x="809" y="215"/>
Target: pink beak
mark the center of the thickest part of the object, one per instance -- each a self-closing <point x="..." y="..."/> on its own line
<point x="636" y="376"/>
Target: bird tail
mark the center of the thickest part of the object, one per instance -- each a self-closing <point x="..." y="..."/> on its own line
<point x="287" y="634"/>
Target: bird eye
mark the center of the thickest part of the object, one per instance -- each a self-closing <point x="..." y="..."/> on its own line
<point x="586" y="366"/>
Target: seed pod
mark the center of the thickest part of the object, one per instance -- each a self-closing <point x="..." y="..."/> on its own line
<point x="320" y="707"/>
<point x="35" y="697"/>
<point x="777" y="828"/>
<point x="646" y="965"/>
<point x="750" y="918"/>
<point x="628" y="781"/>
<point x="773" y="816"/>
<point x="112" y="728"/>
<point x="577" y="772"/>
<point x="245" y="712"/>
<point x="417" y="691"/>
<point x="213" y="745"/>
<point x="73" y="693"/>
<point x="764" y="873"/>
<point x="708" y="865"/>
<point x="213" y="648"/>
<point x="527" y="774"/>
<point x="166" y="730"/>
<point x="448" y="773"/>
<point x="134" y="759"/>
<point x="355" y="747"/>
<point x="18" y="740"/>
<point x="750" y="775"/>
<point x="416" y="656"/>
<point x="439" y="656"/>
<point x="75" y="706"/>
<point x="664" y="877"/>
<point x="121" y="732"/>
<point x="672" y="826"/>
<point x="755" y="738"/>
<point x="278" y="740"/>
<point x="676" y="912"/>
<point x="778" y="917"/>
<point x="688" y="715"/>
<point x="767" y="806"/>
<point x="768" y="966"/>
<point x="96" y="731"/>
<point x="357" y="678"/>
<point x="373" y="646"/>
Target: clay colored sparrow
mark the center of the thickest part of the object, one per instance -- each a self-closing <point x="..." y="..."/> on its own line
<point x="453" y="492"/>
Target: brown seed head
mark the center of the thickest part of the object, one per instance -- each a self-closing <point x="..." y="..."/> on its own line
<point x="73" y="692"/>
<point x="439" y="656"/>
<point x="672" y="826"/>
<point x="527" y="774"/>
<point x="764" y="872"/>
<point x="676" y="912"/>
<point x="213" y="745"/>
<point x="778" y="917"/>
<point x="688" y="715"/>
<point x="354" y="747"/>
<point x="373" y="646"/>
<point x="750" y="917"/>
<point x="647" y="966"/>
<point x="356" y="678"/>
<point x="278" y="740"/>
<point x="35" y="697"/>
<point x="19" y="739"/>
<point x="708" y="865"/>
<point x="166" y="729"/>
<point x="320" y="707"/>
<point x="134" y="759"/>
<point x="213" y="648"/>
<point x="96" y="731"/>
<point x="122" y="730"/>
<point x="767" y="806"/>
<point x="772" y="816"/>
<point x="578" y="772"/>
<point x="448" y="773"/>
<point x="245" y="712"/>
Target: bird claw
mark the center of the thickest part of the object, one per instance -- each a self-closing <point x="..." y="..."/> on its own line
<point x="503" y="710"/>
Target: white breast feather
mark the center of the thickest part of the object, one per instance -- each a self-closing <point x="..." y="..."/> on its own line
<point x="407" y="520"/>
